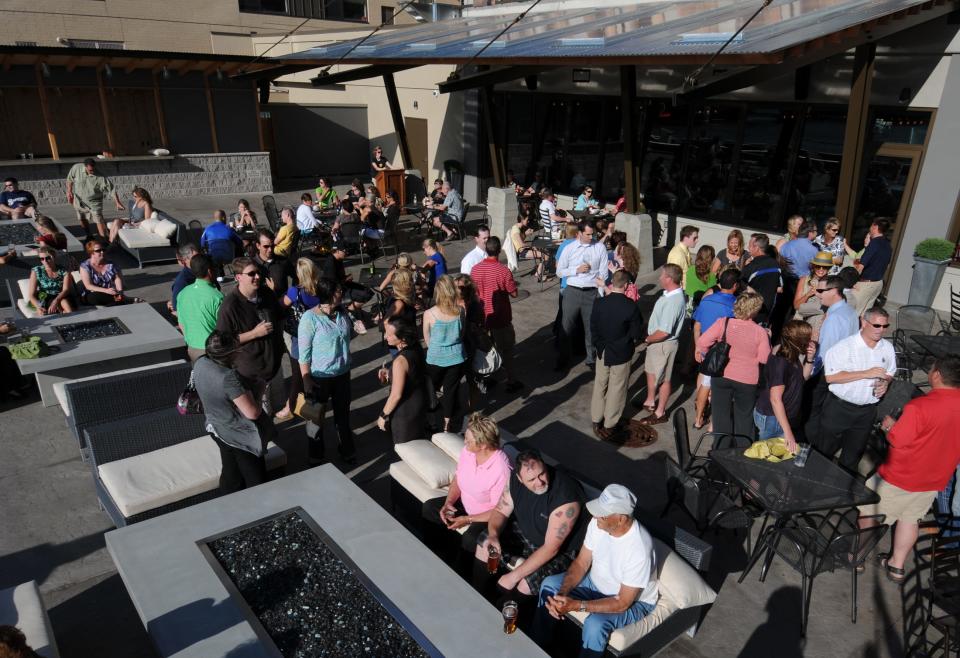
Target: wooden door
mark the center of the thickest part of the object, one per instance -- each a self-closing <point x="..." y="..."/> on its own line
<point x="417" y="141"/>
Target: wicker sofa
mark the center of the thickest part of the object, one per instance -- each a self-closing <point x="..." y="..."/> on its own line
<point x="21" y="606"/>
<point x="120" y="394"/>
<point x="426" y="469"/>
<point x="152" y="240"/>
<point x="155" y="463"/>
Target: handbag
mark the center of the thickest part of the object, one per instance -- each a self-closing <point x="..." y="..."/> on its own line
<point x="486" y="362"/>
<point x="309" y="409"/>
<point x="29" y="348"/>
<point x="291" y="323"/>
<point x="189" y="401"/>
<point x="717" y="357"/>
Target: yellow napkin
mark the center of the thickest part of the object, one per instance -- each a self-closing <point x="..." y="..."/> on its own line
<point x="773" y="450"/>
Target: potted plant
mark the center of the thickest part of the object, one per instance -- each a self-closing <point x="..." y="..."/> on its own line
<point x="930" y="259"/>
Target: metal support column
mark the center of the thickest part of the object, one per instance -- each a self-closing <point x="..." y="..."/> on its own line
<point x="631" y="169"/>
<point x="855" y="135"/>
<point x="397" y="114"/>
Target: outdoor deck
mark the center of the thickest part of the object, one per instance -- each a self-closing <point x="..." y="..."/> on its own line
<point x="53" y="528"/>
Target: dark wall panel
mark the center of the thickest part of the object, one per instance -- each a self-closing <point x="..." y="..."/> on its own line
<point x="312" y="141"/>
<point x="236" y="120"/>
<point x="188" y="124"/>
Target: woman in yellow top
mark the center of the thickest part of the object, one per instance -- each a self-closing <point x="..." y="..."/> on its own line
<point x="326" y="195"/>
<point x="287" y="235"/>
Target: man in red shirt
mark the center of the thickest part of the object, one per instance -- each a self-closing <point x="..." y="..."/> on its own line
<point x="495" y="286"/>
<point x="924" y="453"/>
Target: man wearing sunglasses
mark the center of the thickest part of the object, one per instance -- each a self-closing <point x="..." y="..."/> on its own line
<point x="839" y="322"/>
<point x="858" y="370"/>
<point x="16" y="203"/>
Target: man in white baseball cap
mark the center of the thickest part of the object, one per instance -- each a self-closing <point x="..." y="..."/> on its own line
<point x="613" y="579"/>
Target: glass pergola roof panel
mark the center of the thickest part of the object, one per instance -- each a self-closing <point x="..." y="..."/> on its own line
<point x="669" y="30"/>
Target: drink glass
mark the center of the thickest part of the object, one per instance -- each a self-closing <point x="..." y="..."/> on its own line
<point x="383" y="374"/>
<point x="800" y="459"/>
<point x="493" y="561"/>
<point x="510" y="611"/>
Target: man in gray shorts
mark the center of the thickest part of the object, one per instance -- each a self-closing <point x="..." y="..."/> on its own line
<point x="663" y="329"/>
<point x="86" y="191"/>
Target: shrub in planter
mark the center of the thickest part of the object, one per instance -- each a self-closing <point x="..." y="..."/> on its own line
<point x="934" y="249"/>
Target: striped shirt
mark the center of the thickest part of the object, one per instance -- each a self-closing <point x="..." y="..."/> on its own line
<point x="495" y="285"/>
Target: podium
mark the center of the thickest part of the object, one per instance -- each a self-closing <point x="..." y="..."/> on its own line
<point x="392" y="179"/>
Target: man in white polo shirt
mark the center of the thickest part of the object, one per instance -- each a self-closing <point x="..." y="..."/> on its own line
<point x="613" y="579"/>
<point x="858" y="370"/>
<point x="478" y="253"/>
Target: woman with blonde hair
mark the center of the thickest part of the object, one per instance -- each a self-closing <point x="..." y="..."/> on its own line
<point x="443" y="333"/>
<point x="298" y="299"/>
<point x="404" y="262"/>
<point x="831" y="240"/>
<point x="793" y="230"/>
<point x="700" y="276"/>
<point x="733" y="256"/>
<point x="734" y="395"/>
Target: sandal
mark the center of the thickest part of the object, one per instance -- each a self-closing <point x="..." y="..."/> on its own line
<point x="893" y="574"/>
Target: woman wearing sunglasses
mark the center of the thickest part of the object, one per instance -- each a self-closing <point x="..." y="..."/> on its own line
<point x="807" y="302"/>
<point x="101" y="279"/>
<point x="51" y="287"/>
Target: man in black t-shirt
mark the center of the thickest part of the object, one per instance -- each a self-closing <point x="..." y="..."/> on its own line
<point x="378" y="163"/>
<point x="547" y="529"/>
<point x="762" y="274"/>
<point x="252" y="313"/>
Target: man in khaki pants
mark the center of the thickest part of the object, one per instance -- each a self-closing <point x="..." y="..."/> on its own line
<point x="873" y="266"/>
<point x="616" y="326"/>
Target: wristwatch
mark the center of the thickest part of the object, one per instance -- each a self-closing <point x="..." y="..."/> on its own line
<point x="583" y="606"/>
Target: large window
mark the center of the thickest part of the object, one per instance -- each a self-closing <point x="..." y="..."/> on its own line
<point x="816" y="174"/>
<point x="712" y="146"/>
<point x="762" y="167"/>
<point x="661" y="168"/>
<point x="337" y="10"/>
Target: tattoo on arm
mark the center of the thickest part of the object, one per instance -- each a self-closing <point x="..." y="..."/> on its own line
<point x="571" y="512"/>
<point x="562" y="531"/>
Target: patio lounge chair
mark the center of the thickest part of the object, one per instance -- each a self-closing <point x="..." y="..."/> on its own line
<point x="21" y="606"/>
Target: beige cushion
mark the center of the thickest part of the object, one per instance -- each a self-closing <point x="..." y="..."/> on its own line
<point x="428" y="461"/>
<point x="27" y="309"/>
<point x="406" y="478"/>
<point x="680" y="587"/>
<point x="59" y="388"/>
<point x="165" y="229"/>
<point x="450" y="443"/>
<point x="21" y="606"/>
<point x="154" y="479"/>
<point x="149" y="225"/>
<point x="24" y="285"/>
<point x="139" y="238"/>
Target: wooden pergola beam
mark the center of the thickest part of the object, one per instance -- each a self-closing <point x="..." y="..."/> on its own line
<point x="104" y="109"/>
<point x="45" y="110"/>
<point x="132" y="66"/>
<point x="211" y="115"/>
<point x="158" y="107"/>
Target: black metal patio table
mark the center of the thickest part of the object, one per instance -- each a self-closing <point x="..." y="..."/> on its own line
<point x="939" y="346"/>
<point x="784" y="491"/>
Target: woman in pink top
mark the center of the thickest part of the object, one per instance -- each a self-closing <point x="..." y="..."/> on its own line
<point x="735" y="394"/>
<point x="482" y="472"/>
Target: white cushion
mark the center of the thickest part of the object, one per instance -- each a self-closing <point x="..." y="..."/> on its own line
<point x="159" y="151"/>
<point x="139" y="238"/>
<point x="21" y="606"/>
<point x="154" y="479"/>
<point x="147" y="225"/>
<point x="24" y="285"/>
<point x="450" y="443"/>
<point x="428" y="461"/>
<point x="165" y="229"/>
<point x="59" y="388"/>
<point x="26" y="308"/>
<point x="406" y="478"/>
<point x="680" y="587"/>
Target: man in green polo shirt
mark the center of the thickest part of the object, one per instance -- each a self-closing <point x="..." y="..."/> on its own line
<point x="198" y="305"/>
<point x="86" y="191"/>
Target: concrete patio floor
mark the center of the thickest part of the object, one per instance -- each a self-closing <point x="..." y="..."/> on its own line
<point x="53" y="528"/>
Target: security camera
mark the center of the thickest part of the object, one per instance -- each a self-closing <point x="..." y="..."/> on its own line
<point x="436" y="92"/>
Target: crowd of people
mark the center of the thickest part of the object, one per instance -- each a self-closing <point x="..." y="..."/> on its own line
<point x="786" y="340"/>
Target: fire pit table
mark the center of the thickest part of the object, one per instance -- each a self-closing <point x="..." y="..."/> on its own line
<point x="307" y="565"/>
<point x="97" y="340"/>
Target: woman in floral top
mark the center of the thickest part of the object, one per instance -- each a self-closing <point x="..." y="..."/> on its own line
<point x="50" y="286"/>
<point x="832" y="241"/>
<point x="102" y="281"/>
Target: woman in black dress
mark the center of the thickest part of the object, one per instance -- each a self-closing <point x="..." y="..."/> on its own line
<point x="404" y="413"/>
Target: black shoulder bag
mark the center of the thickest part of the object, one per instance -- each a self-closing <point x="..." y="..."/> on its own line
<point x="717" y="357"/>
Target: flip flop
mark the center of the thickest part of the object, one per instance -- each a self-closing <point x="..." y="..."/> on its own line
<point x="893" y="574"/>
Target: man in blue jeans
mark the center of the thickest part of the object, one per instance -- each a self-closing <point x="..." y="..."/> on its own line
<point x="613" y="580"/>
